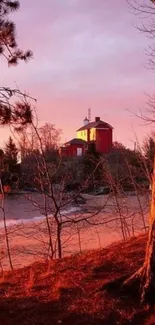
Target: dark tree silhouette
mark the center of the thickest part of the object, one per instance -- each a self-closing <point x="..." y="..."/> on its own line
<point x="11" y="153"/>
<point x="8" y="45"/>
<point x="92" y="159"/>
<point x="149" y="152"/>
<point x="12" y="111"/>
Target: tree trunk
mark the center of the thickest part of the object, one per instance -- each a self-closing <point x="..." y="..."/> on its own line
<point x="146" y="274"/>
<point x="50" y="237"/>
<point x="148" y="281"/>
<point x="59" y="240"/>
<point x="5" y="225"/>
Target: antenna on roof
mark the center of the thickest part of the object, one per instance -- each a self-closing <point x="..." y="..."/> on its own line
<point x="135" y="146"/>
<point x="89" y="114"/>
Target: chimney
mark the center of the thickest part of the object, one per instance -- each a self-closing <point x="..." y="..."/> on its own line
<point x="97" y="119"/>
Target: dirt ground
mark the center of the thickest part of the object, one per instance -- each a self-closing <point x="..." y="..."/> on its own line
<point x="82" y="289"/>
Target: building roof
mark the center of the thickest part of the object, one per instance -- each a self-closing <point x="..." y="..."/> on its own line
<point x="76" y="141"/>
<point x="98" y="124"/>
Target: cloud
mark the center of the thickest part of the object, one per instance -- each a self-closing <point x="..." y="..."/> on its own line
<point x="86" y="52"/>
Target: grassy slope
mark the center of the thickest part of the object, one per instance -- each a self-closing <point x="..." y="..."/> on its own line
<point x="70" y="291"/>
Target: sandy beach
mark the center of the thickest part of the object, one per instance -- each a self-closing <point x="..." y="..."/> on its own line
<point x="29" y="241"/>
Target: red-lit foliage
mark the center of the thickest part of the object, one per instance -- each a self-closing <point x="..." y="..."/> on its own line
<point x="77" y="290"/>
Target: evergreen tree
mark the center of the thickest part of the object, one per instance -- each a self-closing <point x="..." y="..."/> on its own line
<point x="8" y="45"/>
<point x="18" y="114"/>
<point x="149" y="152"/>
<point x="11" y="153"/>
<point x="93" y="169"/>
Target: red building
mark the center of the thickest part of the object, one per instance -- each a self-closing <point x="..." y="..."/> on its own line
<point x="98" y="132"/>
<point x="75" y="147"/>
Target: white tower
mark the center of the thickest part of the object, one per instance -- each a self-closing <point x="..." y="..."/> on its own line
<point x="85" y="121"/>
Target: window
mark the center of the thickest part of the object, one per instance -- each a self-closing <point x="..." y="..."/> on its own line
<point x="81" y="134"/>
<point x="79" y="151"/>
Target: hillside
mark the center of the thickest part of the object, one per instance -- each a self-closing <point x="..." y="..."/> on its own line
<point x="70" y="291"/>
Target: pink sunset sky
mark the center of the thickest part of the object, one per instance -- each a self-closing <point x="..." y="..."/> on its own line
<point x="86" y="54"/>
